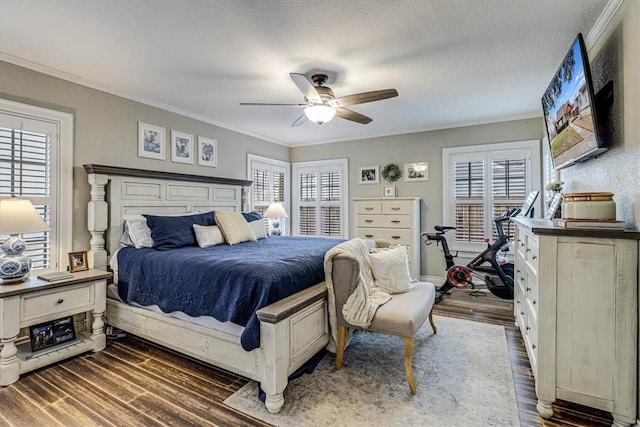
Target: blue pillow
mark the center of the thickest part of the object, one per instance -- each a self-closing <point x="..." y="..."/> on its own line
<point x="170" y="232"/>
<point x="251" y="216"/>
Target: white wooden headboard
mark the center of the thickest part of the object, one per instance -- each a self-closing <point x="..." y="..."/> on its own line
<point x="117" y="191"/>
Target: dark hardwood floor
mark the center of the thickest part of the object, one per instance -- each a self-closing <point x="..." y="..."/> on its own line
<point x="134" y="383"/>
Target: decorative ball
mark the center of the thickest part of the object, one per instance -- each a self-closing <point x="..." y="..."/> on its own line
<point x="13" y="246"/>
<point x="392" y="172"/>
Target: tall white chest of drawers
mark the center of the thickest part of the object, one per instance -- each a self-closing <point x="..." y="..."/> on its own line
<point x="576" y="304"/>
<point x="394" y="219"/>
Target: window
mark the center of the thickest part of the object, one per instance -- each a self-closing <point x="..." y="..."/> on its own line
<point x="483" y="181"/>
<point x="36" y="158"/>
<point x="320" y="198"/>
<point x="270" y="184"/>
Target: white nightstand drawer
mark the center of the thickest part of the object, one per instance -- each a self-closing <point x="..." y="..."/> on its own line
<point x="56" y="303"/>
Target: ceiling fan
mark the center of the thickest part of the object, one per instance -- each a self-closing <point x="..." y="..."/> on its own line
<point x="322" y="105"/>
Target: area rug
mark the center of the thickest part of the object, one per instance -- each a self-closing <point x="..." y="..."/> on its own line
<point x="463" y="375"/>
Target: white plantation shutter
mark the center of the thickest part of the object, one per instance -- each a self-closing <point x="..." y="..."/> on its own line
<point x="320" y="198"/>
<point x="36" y="154"/>
<point x="270" y="184"/>
<point x="482" y="182"/>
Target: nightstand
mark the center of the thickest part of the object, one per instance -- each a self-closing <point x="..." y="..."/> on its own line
<point x="36" y="301"/>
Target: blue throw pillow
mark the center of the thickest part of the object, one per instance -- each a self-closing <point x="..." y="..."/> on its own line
<point x="251" y="216"/>
<point x="170" y="232"/>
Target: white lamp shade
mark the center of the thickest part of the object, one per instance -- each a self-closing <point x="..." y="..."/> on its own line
<point x="276" y="210"/>
<point x="19" y="216"/>
<point x="320" y="113"/>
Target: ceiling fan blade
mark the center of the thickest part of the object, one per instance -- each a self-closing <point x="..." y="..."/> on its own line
<point x="306" y="87"/>
<point x="299" y="121"/>
<point x="361" y="98"/>
<point x="343" y="113"/>
<point x="278" y="105"/>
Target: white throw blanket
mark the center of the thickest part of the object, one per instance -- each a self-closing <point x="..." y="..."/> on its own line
<point x="361" y="306"/>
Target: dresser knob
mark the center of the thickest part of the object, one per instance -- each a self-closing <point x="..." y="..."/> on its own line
<point x="368" y="236"/>
<point x="60" y="301"/>
<point x="534" y="257"/>
<point x="533" y="346"/>
<point x="395" y="222"/>
<point x="368" y="220"/>
<point x="395" y="237"/>
<point x="528" y="328"/>
<point x="528" y="250"/>
<point x="395" y="209"/>
<point x="522" y="313"/>
<point x="528" y="289"/>
<point x="533" y="302"/>
<point x="368" y="209"/>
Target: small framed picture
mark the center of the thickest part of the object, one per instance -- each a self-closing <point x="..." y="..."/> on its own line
<point x="52" y="333"/>
<point x="369" y="175"/>
<point x="78" y="261"/>
<point x="416" y="171"/>
<point x="388" y="191"/>
<point x="181" y="147"/>
<point x="553" y="206"/>
<point x="207" y="152"/>
<point x="151" y="141"/>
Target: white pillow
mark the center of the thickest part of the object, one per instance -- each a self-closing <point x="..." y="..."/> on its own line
<point x="258" y="229"/>
<point x="208" y="235"/>
<point x="390" y="270"/>
<point x="234" y="227"/>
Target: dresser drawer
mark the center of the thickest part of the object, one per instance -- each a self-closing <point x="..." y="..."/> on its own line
<point x="58" y="302"/>
<point x="401" y="237"/>
<point x="384" y="221"/>
<point x="531" y="252"/>
<point x="530" y="335"/>
<point x="369" y="207"/>
<point x="392" y="207"/>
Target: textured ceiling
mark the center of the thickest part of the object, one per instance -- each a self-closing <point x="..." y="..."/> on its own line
<point x="453" y="63"/>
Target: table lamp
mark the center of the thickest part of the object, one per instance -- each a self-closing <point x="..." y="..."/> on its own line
<point x="17" y="216"/>
<point x="275" y="211"/>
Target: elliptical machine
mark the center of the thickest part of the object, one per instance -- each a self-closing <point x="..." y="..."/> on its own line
<point x="498" y="275"/>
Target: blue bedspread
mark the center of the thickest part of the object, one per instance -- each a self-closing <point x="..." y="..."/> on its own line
<point x="227" y="282"/>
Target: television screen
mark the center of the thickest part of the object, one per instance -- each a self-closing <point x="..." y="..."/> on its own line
<point x="569" y="110"/>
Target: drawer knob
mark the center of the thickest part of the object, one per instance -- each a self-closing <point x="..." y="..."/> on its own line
<point x="528" y="289"/>
<point x="368" y="220"/>
<point x="534" y="257"/>
<point x="395" y="237"/>
<point x="395" y="221"/>
<point x="60" y="301"/>
<point x="528" y="250"/>
<point x="533" y="346"/>
<point x="368" y="209"/>
<point x="368" y="236"/>
<point x="522" y="278"/>
<point x="522" y="313"/>
<point x="395" y="209"/>
<point x="533" y="302"/>
<point x="528" y="328"/>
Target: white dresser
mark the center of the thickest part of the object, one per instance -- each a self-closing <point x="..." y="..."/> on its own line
<point x="576" y="304"/>
<point x="394" y="219"/>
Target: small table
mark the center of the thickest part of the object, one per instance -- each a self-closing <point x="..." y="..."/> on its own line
<point x="36" y="301"/>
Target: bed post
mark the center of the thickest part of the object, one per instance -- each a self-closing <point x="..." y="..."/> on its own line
<point x="97" y="221"/>
<point x="275" y="344"/>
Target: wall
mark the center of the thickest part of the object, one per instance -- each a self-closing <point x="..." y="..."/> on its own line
<point x="615" y="56"/>
<point x="422" y="146"/>
<point x="106" y="133"/>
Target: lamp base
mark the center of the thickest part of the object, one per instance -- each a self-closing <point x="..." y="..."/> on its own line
<point x="14" y="266"/>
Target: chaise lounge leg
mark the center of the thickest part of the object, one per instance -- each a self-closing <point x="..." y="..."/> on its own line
<point x="408" y="355"/>
<point x="342" y="336"/>
<point x="433" y="325"/>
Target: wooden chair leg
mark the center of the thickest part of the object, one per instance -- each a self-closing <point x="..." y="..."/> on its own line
<point x="342" y="336"/>
<point x="408" y="356"/>
<point x="433" y="325"/>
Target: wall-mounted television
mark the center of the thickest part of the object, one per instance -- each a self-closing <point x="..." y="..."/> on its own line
<point x="569" y="106"/>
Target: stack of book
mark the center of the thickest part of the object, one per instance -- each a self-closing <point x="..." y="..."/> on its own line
<point x="606" y="224"/>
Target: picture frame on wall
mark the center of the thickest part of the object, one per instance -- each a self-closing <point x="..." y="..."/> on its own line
<point x="181" y="147"/>
<point x="151" y="142"/>
<point x="418" y="171"/>
<point x="388" y="191"/>
<point x="207" y="152"/>
<point x="369" y="175"/>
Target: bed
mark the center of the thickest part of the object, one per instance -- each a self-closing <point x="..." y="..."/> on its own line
<point x="285" y="332"/>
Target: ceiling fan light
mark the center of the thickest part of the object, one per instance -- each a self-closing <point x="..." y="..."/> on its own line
<point x="320" y="113"/>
